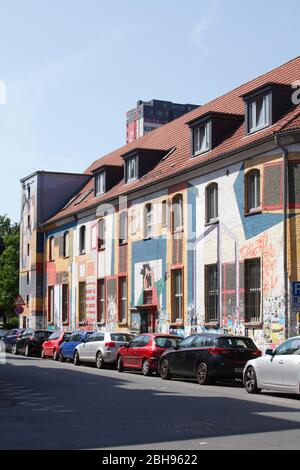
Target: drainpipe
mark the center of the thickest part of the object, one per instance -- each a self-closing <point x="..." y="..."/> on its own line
<point x="285" y="238"/>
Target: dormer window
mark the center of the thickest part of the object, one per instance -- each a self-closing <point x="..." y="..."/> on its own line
<point x="259" y="113"/>
<point x="131" y="169"/>
<point x="201" y="139"/>
<point x="100" y="183"/>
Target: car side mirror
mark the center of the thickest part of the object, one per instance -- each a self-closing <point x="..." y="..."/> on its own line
<point x="269" y="352"/>
<point x="126" y="345"/>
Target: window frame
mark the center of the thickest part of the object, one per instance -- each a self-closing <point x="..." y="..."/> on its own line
<point x="101" y="302"/>
<point x="257" y="191"/>
<point x="101" y="240"/>
<point x="51" y="257"/>
<point x="51" y="304"/>
<point x="82" y="240"/>
<point x="123" y="227"/>
<point x="81" y="313"/>
<point x="176" y="296"/>
<point x="212" y="220"/>
<point x="128" y="170"/>
<point x="122" y="301"/>
<point x="266" y="100"/>
<point x="148" y="228"/>
<point x="65" y="302"/>
<point x="247" y="291"/>
<point x="66" y="244"/>
<point x="207" y="126"/>
<point x="211" y="293"/>
<point x="180" y="227"/>
<point x="101" y="176"/>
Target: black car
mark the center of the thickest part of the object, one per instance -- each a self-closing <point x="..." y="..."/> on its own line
<point x="10" y="338"/>
<point x="30" y="342"/>
<point x="208" y="357"/>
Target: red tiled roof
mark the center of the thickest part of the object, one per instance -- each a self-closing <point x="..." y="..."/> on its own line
<point x="176" y="135"/>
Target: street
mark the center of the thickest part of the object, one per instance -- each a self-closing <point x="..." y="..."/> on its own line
<point x="48" y="405"/>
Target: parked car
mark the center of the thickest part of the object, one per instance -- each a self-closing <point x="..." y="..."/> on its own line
<point x="101" y="348"/>
<point x="208" y="357"/>
<point x="278" y="370"/>
<point x="51" y="347"/>
<point x="30" y="342"/>
<point x="67" y="348"/>
<point x="10" y="338"/>
<point x="143" y="352"/>
<point x="3" y="332"/>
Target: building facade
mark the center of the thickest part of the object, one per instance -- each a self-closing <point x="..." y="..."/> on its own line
<point x="191" y="228"/>
<point x="150" y="115"/>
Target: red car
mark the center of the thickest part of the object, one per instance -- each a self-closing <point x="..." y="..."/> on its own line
<point x="144" y="351"/>
<point x="51" y="347"/>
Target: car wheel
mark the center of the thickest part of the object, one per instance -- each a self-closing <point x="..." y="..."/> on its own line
<point x="61" y="357"/>
<point x="55" y="355"/>
<point x="76" y="359"/>
<point x="164" y="370"/>
<point x="250" y="381"/>
<point x="120" y="366"/>
<point x="14" y="349"/>
<point x="27" y="352"/>
<point x="202" y="374"/>
<point x="146" y="368"/>
<point x="99" y="360"/>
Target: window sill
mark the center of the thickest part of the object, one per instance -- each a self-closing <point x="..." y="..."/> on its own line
<point x="202" y="152"/>
<point x="212" y="222"/>
<point x="101" y="249"/>
<point x="82" y="253"/>
<point x="253" y="325"/>
<point x="123" y="323"/>
<point x="253" y="212"/>
<point x="212" y="324"/>
<point x="123" y="243"/>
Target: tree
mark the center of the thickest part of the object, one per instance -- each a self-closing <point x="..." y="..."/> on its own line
<point x="9" y="265"/>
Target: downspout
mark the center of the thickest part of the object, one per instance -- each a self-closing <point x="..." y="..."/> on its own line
<point x="285" y="237"/>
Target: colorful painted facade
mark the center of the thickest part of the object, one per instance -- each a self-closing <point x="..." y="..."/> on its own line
<point x="179" y="241"/>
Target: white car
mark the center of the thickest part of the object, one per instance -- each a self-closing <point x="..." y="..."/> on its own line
<point x="278" y="370"/>
<point x="100" y="348"/>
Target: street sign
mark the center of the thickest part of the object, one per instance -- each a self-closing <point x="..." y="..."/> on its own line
<point x="19" y="301"/>
<point x="19" y="310"/>
<point x="296" y="297"/>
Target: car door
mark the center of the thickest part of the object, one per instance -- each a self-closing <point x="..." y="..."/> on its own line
<point x="291" y="367"/>
<point x="130" y="355"/>
<point x="270" y="368"/>
<point x="70" y="345"/>
<point x="179" y="360"/>
<point x="97" y="345"/>
<point x="142" y="351"/>
<point x="23" y="340"/>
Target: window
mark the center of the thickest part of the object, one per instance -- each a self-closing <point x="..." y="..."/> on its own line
<point x="28" y="277"/>
<point x="177" y="214"/>
<point x="122" y="299"/>
<point x="66" y="245"/>
<point x="28" y="191"/>
<point x="290" y="347"/>
<point x="82" y="301"/>
<point x="131" y="169"/>
<point x="253" y="191"/>
<point x="123" y="227"/>
<point x="50" y="304"/>
<point x="187" y="342"/>
<point x="101" y="234"/>
<point x="201" y="139"/>
<point x="100" y="184"/>
<point x="164" y="213"/>
<point x="212" y="203"/>
<point x="27" y="300"/>
<point x="259" y="113"/>
<point x="101" y="301"/>
<point x="82" y="240"/>
<point x="211" y="293"/>
<point x="177" y="295"/>
<point x="51" y="249"/>
<point x="28" y="249"/>
<point x="65" y="303"/>
<point x="252" y="291"/>
<point x="133" y="222"/>
<point x="148" y="221"/>
<point x="28" y="222"/>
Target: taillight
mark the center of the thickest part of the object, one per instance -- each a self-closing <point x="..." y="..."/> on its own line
<point x="111" y="344"/>
<point x="257" y="353"/>
<point x="219" y="351"/>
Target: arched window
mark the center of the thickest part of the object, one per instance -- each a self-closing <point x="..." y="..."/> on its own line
<point x="164" y="213"/>
<point x="82" y="239"/>
<point x="101" y="234"/>
<point x="252" y="191"/>
<point x="51" y="249"/>
<point x="123" y="227"/>
<point x="66" y="245"/>
<point x="177" y="213"/>
<point x="148" y="221"/>
<point x="212" y="212"/>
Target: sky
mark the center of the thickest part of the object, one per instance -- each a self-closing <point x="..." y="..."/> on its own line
<point x="70" y="70"/>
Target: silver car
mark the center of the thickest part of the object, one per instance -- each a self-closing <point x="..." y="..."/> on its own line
<point x="278" y="370"/>
<point x="100" y="348"/>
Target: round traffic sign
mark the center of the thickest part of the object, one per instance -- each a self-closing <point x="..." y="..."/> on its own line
<point x="19" y="310"/>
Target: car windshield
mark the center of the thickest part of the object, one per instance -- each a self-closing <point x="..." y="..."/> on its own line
<point x="167" y="342"/>
<point x="240" y="343"/>
<point x="121" y="337"/>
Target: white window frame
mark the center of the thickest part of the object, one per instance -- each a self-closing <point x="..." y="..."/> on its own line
<point x="131" y="166"/>
<point x="100" y="183"/>
<point x="253" y="124"/>
<point x="202" y="134"/>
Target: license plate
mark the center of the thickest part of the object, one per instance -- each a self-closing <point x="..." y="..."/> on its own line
<point x="238" y="371"/>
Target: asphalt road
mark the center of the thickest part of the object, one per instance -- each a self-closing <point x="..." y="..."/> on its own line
<point x="48" y="405"/>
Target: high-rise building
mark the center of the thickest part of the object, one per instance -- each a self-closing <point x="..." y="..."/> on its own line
<point x="149" y="115"/>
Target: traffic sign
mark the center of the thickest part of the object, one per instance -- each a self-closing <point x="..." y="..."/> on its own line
<point x="296" y="289"/>
<point x="19" y="301"/>
<point x="19" y="310"/>
<point x="296" y="297"/>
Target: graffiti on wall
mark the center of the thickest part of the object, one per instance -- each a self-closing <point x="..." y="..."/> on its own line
<point x="111" y="307"/>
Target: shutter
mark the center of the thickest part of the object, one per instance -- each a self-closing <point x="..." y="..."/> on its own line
<point x="272" y="186"/>
<point x="294" y="184"/>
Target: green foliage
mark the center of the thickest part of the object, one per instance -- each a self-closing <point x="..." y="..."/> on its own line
<point x="9" y="265"/>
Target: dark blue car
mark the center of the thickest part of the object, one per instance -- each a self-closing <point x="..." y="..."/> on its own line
<point x="67" y="348"/>
<point x="11" y="337"/>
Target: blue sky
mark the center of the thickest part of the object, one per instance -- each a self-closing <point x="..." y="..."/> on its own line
<point x="72" y="69"/>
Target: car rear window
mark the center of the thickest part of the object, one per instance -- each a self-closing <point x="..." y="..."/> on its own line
<point x="166" y="342"/>
<point x="122" y="337"/>
<point x="240" y="343"/>
<point x="42" y="334"/>
<point x="54" y="335"/>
